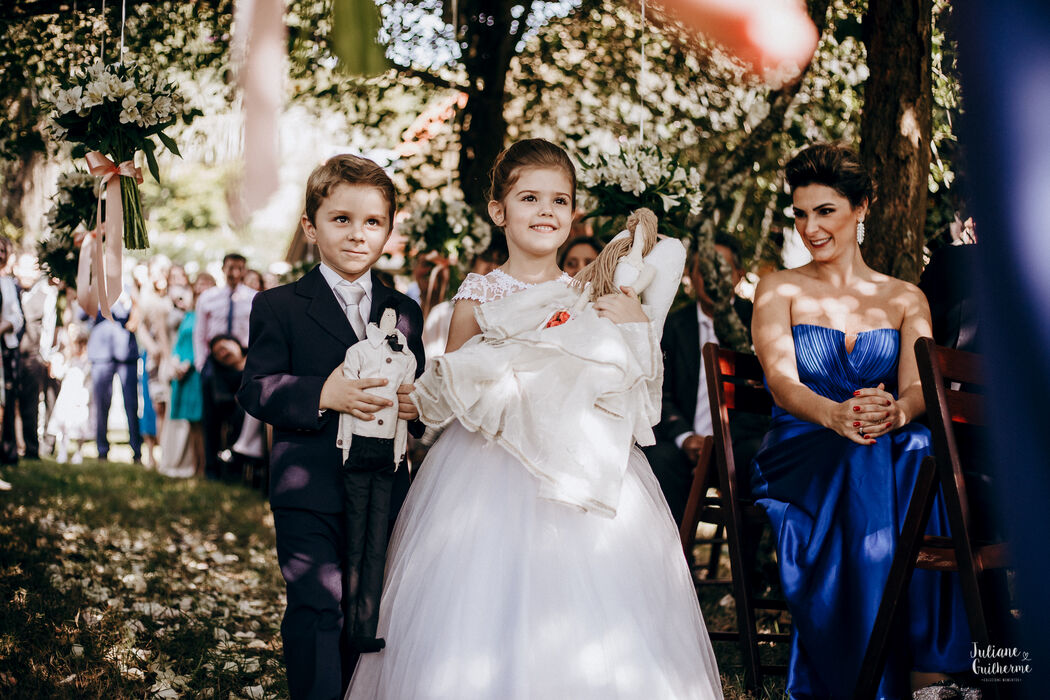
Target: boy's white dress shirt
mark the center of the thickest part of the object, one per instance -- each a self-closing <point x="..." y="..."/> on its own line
<point x="373" y="357"/>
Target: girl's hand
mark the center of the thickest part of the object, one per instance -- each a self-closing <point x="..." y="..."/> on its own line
<point x="879" y="401"/>
<point x="621" y="308"/>
<point x="406" y="410"/>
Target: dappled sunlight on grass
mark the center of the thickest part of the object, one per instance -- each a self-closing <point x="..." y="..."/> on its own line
<point x="116" y="582"/>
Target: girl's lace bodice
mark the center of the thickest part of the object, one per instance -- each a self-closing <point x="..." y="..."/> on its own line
<point x="495" y="285"/>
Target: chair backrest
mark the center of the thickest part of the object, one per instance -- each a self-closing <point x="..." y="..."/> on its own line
<point x="734" y="383"/>
<point x="954" y="409"/>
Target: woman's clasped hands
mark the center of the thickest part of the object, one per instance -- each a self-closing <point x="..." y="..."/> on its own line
<point x="870" y="414"/>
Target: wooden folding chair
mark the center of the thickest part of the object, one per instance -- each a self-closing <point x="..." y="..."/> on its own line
<point x="701" y="508"/>
<point x="949" y="378"/>
<point x="735" y="383"/>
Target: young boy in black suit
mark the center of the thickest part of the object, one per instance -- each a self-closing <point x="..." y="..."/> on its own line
<point x="293" y="380"/>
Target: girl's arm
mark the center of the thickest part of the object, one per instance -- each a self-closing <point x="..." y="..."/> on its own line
<point x="463" y="325"/>
<point x="775" y="346"/>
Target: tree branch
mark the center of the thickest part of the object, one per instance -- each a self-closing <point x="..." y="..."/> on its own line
<point x="428" y="77"/>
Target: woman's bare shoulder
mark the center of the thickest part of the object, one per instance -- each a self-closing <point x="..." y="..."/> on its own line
<point x="784" y="281"/>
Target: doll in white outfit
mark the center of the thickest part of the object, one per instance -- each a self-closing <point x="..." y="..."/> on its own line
<point x="372" y="451"/>
<point x="546" y="346"/>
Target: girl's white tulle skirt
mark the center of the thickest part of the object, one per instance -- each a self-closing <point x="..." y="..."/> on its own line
<point x="494" y="593"/>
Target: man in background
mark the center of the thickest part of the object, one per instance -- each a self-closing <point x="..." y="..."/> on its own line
<point x="221" y="310"/>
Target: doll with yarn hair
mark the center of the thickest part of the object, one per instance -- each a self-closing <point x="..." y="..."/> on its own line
<point x="547" y="346"/>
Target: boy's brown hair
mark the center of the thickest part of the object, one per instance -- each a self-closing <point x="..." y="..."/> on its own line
<point x="346" y="169"/>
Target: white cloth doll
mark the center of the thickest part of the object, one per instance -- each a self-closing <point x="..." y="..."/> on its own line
<point x="566" y="391"/>
<point x="376" y="356"/>
<point x="372" y="452"/>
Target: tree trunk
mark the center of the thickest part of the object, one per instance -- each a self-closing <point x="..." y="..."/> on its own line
<point x="22" y="200"/>
<point x="486" y="58"/>
<point x="895" y="132"/>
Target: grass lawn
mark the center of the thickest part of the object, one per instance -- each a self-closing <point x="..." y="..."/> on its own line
<point x="116" y="582"/>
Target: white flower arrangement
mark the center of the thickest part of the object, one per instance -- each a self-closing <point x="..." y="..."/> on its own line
<point x="449" y="226"/>
<point x="632" y="176"/>
<point x="116" y="110"/>
<point x="73" y="210"/>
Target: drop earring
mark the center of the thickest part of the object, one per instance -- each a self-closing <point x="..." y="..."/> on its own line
<point x="860" y="232"/>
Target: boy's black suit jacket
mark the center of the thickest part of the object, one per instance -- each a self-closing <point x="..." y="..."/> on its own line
<point x="298" y="336"/>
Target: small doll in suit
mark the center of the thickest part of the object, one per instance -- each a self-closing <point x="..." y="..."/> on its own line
<point x="372" y="451"/>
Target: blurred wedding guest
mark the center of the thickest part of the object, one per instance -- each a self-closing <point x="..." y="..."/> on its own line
<point x="202" y="283"/>
<point x="11" y="322"/>
<point x="227" y="357"/>
<point x="577" y="254"/>
<point x="70" y="422"/>
<point x="253" y="280"/>
<point x="685" y="416"/>
<point x="153" y="307"/>
<point x="220" y="311"/>
<point x="250" y="448"/>
<point x="39" y="307"/>
<point x="182" y="447"/>
<point x="949" y="285"/>
<point x="113" y="351"/>
<point x="177" y="277"/>
<point x="270" y="280"/>
<point x="729" y="248"/>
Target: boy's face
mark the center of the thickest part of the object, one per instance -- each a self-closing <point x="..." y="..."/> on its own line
<point x="350" y="229"/>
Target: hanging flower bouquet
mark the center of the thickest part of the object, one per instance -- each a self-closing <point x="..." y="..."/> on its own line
<point x="452" y="228"/>
<point x="73" y="211"/>
<point x="633" y="177"/>
<point x="115" y="110"/>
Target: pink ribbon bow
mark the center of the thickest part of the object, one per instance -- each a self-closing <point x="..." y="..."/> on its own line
<point x="99" y="269"/>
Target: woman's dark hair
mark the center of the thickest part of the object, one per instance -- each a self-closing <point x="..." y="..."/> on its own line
<point x="834" y="165"/>
<point x="579" y="240"/>
<point x="529" y="153"/>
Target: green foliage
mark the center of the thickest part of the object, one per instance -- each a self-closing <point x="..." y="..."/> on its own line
<point x="74" y="210"/>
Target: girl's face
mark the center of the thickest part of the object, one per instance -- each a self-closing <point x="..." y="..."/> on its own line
<point x="536" y="212"/>
<point x="825" y="220"/>
<point x="578" y="257"/>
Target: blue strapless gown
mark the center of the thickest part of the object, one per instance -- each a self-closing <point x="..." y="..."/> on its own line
<point x="836" y="508"/>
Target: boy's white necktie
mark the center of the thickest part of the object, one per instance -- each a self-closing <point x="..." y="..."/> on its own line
<point x="352" y="293"/>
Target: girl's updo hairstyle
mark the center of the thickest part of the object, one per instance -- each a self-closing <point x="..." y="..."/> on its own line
<point x="528" y="153"/>
<point x="834" y="165"/>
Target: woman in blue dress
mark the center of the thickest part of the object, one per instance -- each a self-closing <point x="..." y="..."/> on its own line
<point x="837" y="468"/>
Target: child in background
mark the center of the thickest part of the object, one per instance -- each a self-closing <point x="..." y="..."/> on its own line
<point x="71" y="417"/>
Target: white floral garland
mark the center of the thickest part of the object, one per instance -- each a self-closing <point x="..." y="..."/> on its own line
<point x="449" y="226"/>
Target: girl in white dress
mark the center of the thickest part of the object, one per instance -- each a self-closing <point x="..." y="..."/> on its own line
<point x="505" y="580"/>
<point x="71" y="417"/>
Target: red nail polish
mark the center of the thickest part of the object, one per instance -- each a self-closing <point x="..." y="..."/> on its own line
<point x="889" y="425"/>
<point x="856" y="424"/>
<point x="856" y="408"/>
<point x="856" y="393"/>
<point x="872" y="442"/>
<point x="887" y="403"/>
